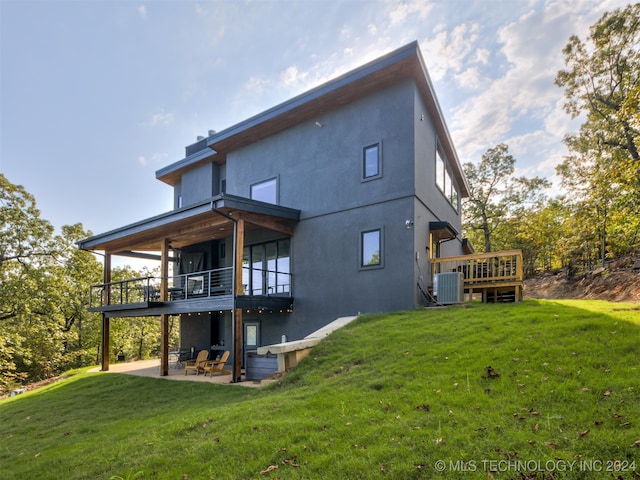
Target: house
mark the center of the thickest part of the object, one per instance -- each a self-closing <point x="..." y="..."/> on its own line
<point x="333" y="203"/>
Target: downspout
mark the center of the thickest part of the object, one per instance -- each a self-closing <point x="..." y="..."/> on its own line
<point x="234" y="375"/>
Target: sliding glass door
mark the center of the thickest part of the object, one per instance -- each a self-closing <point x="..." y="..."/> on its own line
<point x="266" y="268"/>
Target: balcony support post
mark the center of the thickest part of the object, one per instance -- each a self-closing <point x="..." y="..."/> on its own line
<point x="237" y="325"/>
<point x="164" y="318"/>
<point x="105" y="321"/>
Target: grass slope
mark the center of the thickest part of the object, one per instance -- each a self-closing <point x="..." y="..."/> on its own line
<point x="388" y="396"/>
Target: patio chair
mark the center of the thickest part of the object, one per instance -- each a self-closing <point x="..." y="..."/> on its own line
<point x="217" y="366"/>
<point x="178" y="357"/>
<point x="197" y="363"/>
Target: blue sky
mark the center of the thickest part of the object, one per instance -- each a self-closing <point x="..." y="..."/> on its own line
<point x="95" y="96"/>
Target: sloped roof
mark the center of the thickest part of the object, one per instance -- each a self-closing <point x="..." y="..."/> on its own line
<point x="405" y="62"/>
<point x="203" y="221"/>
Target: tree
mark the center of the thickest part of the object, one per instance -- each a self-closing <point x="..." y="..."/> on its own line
<point x="602" y="173"/>
<point x="495" y="194"/>
<point x="538" y="232"/>
<point x="26" y="241"/>
<point x="602" y="79"/>
<point x="44" y="279"/>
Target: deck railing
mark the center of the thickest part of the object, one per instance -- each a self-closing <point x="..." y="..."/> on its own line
<point x="122" y="292"/>
<point x="209" y="283"/>
<point x="483" y="268"/>
<point x="261" y="282"/>
<point x="196" y="285"/>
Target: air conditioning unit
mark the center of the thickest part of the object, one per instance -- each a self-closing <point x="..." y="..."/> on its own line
<point x="448" y="287"/>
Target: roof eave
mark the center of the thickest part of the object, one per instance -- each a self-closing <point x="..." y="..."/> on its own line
<point x="293" y="111"/>
<point x="220" y="203"/>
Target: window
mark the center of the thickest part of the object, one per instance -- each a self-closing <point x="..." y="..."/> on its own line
<point x="447" y="184"/>
<point x="266" y="268"/>
<point x="371" y="164"/>
<point x="266" y="191"/>
<point x="371" y="248"/>
<point x="444" y="181"/>
<point x="440" y="170"/>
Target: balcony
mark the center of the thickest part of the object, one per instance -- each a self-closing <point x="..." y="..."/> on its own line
<point x="498" y="276"/>
<point x="192" y="292"/>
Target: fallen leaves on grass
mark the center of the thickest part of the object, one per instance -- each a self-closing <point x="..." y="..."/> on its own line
<point x="491" y="373"/>
<point x="424" y="407"/>
<point x="270" y="468"/>
<point x="584" y="432"/>
<point x="290" y="461"/>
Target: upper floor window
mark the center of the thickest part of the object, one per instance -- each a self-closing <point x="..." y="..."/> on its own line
<point x="440" y="170"/>
<point x="371" y="162"/>
<point x="444" y="181"/>
<point x="266" y="191"/>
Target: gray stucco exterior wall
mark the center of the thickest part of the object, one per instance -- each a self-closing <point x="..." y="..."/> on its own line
<point x="319" y="171"/>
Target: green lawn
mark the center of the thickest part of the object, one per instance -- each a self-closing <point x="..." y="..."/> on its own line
<point x="404" y="395"/>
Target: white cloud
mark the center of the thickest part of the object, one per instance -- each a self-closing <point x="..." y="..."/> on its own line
<point x="256" y="85"/>
<point x="557" y="120"/>
<point x="155" y="159"/>
<point x="448" y="50"/>
<point x="403" y="9"/>
<point x="522" y="105"/>
<point x="142" y="11"/>
<point x="482" y="56"/>
<point x="346" y="32"/>
<point x="371" y="28"/>
<point x="471" y="78"/>
<point x="292" y="76"/>
<point x="160" y="118"/>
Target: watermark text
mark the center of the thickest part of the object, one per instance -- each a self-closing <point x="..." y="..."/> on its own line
<point x="488" y="465"/>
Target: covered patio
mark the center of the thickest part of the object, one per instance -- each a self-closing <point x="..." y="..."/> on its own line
<point x="221" y="217"/>
<point x="151" y="368"/>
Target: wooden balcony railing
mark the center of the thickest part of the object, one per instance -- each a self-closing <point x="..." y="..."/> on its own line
<point x="484" y="272"/>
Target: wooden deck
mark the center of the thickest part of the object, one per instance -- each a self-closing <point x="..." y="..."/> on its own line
<point x="498" y="276"/>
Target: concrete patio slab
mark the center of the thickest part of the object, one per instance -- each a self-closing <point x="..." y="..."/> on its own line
<point x="151" y="368"/>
